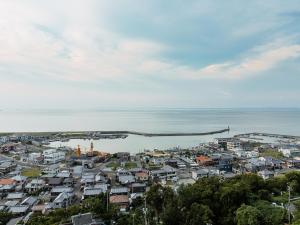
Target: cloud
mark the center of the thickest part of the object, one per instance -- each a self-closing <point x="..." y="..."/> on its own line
<point x="101" y="50"/>
<point x="260" y="59"/>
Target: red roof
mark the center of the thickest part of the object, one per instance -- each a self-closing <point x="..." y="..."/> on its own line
<point x="203" y="158"/>
<point x="119" y="199"/>
<point x="7" y="181"/>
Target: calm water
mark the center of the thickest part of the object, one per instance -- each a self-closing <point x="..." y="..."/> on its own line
<point x="284" y="121"/>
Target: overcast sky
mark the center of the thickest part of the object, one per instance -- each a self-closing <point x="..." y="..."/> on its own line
<point x="93" y="54"/>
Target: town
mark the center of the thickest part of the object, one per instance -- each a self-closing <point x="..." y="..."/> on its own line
<point x="38" y="179"/>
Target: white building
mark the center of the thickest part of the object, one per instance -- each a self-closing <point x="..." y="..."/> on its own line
<point x="52" y="156"/>
<point x="290" y="151"/>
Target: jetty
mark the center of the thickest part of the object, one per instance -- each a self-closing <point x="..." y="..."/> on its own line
<point x="283" y="136"/>
<point x="124" y="133"/>
<point x="166" y="134"/>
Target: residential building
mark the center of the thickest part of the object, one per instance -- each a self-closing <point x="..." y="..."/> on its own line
<point x="51" y="156"/>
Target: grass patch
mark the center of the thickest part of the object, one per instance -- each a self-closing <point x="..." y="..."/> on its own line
<point x="113" y="165"/>
<point x="273" y="153"/>
<point x="31" y="172"/>
<point x="130" y="165"/>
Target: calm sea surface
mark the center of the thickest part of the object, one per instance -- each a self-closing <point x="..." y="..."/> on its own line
<point x="283" y="121"/>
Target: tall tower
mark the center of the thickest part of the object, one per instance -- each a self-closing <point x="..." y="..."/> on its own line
<point x="78" y="152"/>
<point x="92" y="148"/>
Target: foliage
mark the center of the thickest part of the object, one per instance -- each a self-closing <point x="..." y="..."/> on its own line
<point x="130" y="165"/>
<point x="272" y="153"/>
<point x="5" y="217"/>
<point x="248" y="215"/>
<point x="242" y="200"/>
<point x="31" y="172"/>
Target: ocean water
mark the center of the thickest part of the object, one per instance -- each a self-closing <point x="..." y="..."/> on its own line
<point x="283" y="121"/>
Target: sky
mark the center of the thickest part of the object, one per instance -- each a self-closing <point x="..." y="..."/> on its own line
<point x="122" y="54"/>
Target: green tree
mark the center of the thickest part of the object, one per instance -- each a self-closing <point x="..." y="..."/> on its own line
<point x="248" y="215"/>
<point x="5" y="217"/>
<point x="199" y="215"/>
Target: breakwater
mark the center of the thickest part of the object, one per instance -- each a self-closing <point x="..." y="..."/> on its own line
<point x="165" y="134"/>
<point x="268" y="135"/>
<point x="71" y="134"/>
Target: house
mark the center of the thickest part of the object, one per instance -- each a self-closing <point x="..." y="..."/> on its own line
<point x="87" y="179"/>
<point x="172" y="162"/>
<point x="291" y="151"/>
<point x="138" y="188"/>
<point x="225" y="164"/>
<point x="200" y="173"/>
<point x="64" y="174"/>
<point x="293" y="163"/>
<point x="63" y="200"/>
<point x="51" y="156"/>
<point x="121" y="200"/>
<point x="188" y="162"/>
<point x="30" y="201"/>
<point x="7" y="185"/>
<point x="100" y="178"/>
<point x="57" y="190"/>
<point x="85" y="219"/>
<point x="119" y="191"/>
<point x="51" y="169"/>
<point x="254" y="165"/>
<point x="20" y="180"/>
<point x="54" y="182"/>
<point x="15" y="196"/>
<point x="126" y="179"/>
<point x="15" y="221"/>
<point x="204" y="160"/>
<point x="273" y="163"/>
<point x="7" y="166"/>
<point x="7" y="181"/>
<point x="35" y="185"/>
<point x="142" y="176"/>
<point x="165" y="173"/>
<point x="35" y="158"/>
<point x="92" y="192"/>
<point x="123" y="156"/>
<point x="69" y="182"/>
<point x="19" y="209"/>
<point x="229" y="144"/>
<point x="82" y="219"/>
<point x="265" y="174"/>
<point x="41" y="208"/>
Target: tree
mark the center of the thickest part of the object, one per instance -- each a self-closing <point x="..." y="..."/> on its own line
<point x="272" y="215"/>
<point x="248" y="215"/>
<point x="199" y="215"/>
<point x="5" y="217"/>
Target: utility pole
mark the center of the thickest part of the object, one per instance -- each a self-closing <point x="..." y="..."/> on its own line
<point x="133" y="215"/>
<point x="107" y="200"/>
<point x="145" y="212"/>
<point x="289" y="205"/>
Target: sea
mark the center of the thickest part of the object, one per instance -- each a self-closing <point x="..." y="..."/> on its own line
<point x="244" y="120"/>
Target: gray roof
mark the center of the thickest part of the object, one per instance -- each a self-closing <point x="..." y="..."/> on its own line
<point x="18" y="209"/>
<point x="202" y="172"/>
<point x="61" y="189"/>
<point x="55" y="180"/>
<point x="62" y="196"/>
<point x="118" y="190"/>
<point x="16" y="195"/>
<point x="11" y="203"/>
<point x="93" y="191"/>
<point x="29" y="201"/>
<point x="138" y="185"/>
<point x="14" y="221"/>
<point x="82" y="219"/>
<point x="126" y="179"/>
